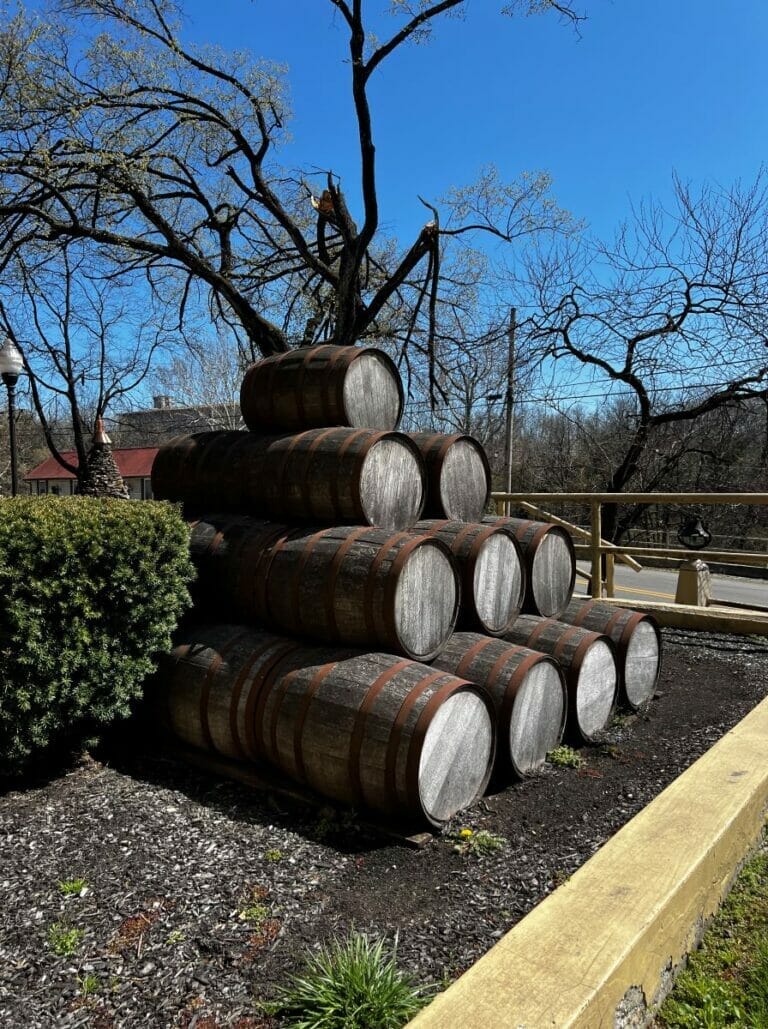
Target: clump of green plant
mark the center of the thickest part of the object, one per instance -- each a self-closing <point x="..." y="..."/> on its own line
<point x="64" y="939"/>
<point x="351" y="984"/>
<point x="252" y="908"/>
<point x="565" y="757"/>
<point x="174" y="937"/>
<point x="90" y="592"/>
<point x="480" y="842"/>
<point x="72" y="887"/>
<point x="88" y="984"/>
<point x="273" y="856"/>
<point x="726" y="980"/>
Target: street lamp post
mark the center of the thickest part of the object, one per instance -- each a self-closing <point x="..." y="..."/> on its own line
<point x="11" y="365"/>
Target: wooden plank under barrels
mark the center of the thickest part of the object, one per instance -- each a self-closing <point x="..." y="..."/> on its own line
<point x="310" y="387"/>
<point x="529" y="697"/>
<point x="550" y="562"/>
<point x="637" y="640"/>
<point x="369" y="730"/>
<point x="359" y="585"/>
<point x="338" y="475"/>
<point x="458" y="476"/>
<point x="492" y="571"/>
<point x="588" y="662"/>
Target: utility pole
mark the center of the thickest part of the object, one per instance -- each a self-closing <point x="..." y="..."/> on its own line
<point x="510" y="410"/>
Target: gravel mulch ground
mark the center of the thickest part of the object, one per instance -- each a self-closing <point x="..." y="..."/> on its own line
<point x="201" y="896"/>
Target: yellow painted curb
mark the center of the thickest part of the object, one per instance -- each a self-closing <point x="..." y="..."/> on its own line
<point x="626" y="918"/>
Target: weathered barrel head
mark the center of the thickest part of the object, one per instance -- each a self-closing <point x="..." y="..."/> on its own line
<point x="641" y="663"/>
<point x="464" y="480"/>
<point x="373" y="394"/>
<point x="426" y="599"/>
<point x="499" y="582"/>
<point x="552" y="584"/>
<point x="392" y="483"/>
<point x="595" y="692"/>
<point x="458" y="476"/>
<point x="538" y="715"/>
<point x="456" y="755"/>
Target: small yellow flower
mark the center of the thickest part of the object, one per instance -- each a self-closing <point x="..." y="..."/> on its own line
<point x="465" y="833"/>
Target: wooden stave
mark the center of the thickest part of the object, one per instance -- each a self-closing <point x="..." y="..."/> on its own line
<point x="304" y="389"/>
<point x="262" y="572"/>
<point x="434" y="448"/>
<point x="265" y="728"/>
<point x="531" y="536"/>
<point x="309" y="476"/>
<point x="620" y="624"/>
<point x="486" y="660"/>
<point x="465" y="540"/>
<point x="569" y="645"/>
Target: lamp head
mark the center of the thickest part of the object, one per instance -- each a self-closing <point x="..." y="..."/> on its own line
<point x="694" y="534"/>
<point x="11" y="362"/>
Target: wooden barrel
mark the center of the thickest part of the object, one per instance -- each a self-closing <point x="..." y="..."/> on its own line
<point x="637" y="639"/>
<point x="356" y="476"/>
<point x="368" y="730"/>
<point x="550" y="562"/>
<point x="363" y="586"/>
<point x="528" y="691"/>
<point x="492" y="572"/>
<point x="323" y="385"/>
<point x="588" y="662"/>
<point x="458" y="476"/>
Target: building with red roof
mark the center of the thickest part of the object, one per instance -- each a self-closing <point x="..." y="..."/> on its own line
<point x="133" y="463"/>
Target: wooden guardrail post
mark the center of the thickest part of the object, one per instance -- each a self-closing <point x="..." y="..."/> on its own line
<point x="610" y="562"/>
<point x="597" y="578"/>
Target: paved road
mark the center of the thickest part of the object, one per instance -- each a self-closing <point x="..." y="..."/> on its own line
<point x="660" y="584"/>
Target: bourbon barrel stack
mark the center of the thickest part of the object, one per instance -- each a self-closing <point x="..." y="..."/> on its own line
<point x="301" y="532"/>
<point x="325" y="596"/>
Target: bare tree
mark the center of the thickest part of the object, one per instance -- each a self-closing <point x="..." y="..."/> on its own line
<point x="87" y="341"/>
<point x="164" y="156"/>
<point x="675" y="312"/>
<point x="204" y="377"/>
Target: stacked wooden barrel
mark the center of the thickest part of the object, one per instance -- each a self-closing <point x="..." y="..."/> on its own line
<point x="324" y="645"/>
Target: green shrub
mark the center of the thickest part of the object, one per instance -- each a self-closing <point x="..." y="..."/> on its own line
<point x="352" y="984"/>
<point x="90" y="592"/>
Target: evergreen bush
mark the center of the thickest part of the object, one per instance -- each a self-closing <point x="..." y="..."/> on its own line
<point x="90" y="592"/>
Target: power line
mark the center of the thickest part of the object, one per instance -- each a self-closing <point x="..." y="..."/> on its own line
<point x="555" y="398"/>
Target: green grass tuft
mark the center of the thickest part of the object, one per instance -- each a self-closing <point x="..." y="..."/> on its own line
<point x="72" y="887"/>
<point x="88" y="984"/>
<point x="63" y="939"/>
<point x="352" y="984"/>
<point x="565" y="757"/>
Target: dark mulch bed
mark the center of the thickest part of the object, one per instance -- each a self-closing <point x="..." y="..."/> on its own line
<point x="173" y="857"/>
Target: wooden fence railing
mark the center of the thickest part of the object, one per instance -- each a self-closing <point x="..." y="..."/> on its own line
<point x="535" y="504"/>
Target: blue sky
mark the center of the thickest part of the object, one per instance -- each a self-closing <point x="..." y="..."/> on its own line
<point x="648" y="87"/>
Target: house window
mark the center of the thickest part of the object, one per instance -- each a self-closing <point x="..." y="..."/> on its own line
<point x="146" y="489"/>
